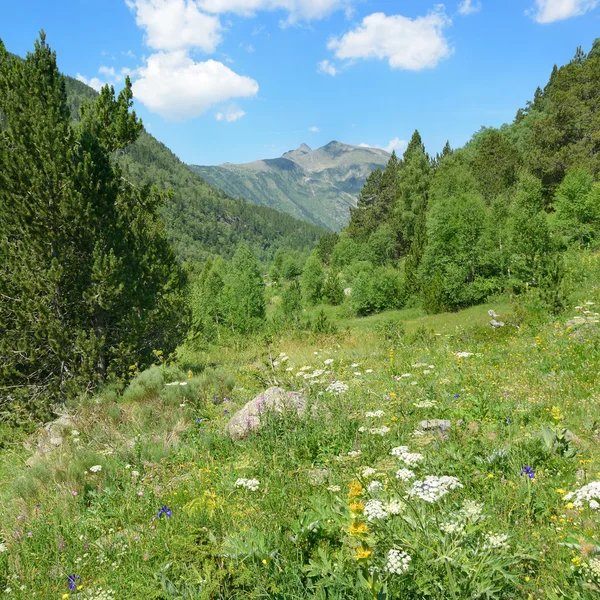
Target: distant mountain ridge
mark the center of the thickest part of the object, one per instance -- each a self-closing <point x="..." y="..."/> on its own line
<point x="318" y="186"/>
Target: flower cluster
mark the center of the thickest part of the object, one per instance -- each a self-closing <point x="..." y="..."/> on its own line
<point x="528" y="471"/>
<point x="368" y="472"/>
<point x="96" y="469"/>
<point x="589" y="493"/>
<point x="398" y="562"/>
<point x="375" y="430"/>
<point x="408" y="458"/>
<point x="395" y="507"/>
<point x="338" y="387"/>
<point x="593" y="567"/>
<point x="377" y="414"/>
<point x="375" y="487"/>
<point x="433" y="488"/>
<point x="250" y="484"/>
<point x="375" y="509"/>
<point x="405" y="474"/>
<point x="495" y="541"/>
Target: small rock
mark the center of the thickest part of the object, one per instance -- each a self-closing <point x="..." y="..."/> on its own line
<point x="496" y="324"/>
<point x="275" y="399"/>
<point x="436" y="426"/>
<point x="348" y="291"/>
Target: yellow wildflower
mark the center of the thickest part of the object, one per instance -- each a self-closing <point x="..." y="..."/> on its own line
<point x="358" y="528"/>
<point x="357" y="507"/>
<point x="570" y="505"/>
<point x="363" y="552"/>
<point x="356" y="489"/>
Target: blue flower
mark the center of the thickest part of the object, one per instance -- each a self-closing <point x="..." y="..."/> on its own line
<point x="72" y="579"/>
<point x="528" y="471"/>
<point x="165" y="510"/>
<point x="456" y="396"/>
<point x="226" y="413"/>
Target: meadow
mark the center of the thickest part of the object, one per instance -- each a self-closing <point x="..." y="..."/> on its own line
<point x="147" y="497"/>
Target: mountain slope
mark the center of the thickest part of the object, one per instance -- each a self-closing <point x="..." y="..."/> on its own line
<point x="200" y="219"/>
<point x="318" y="186"/>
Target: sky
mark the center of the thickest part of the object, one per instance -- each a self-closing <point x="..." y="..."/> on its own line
<point x="238" y="80"/>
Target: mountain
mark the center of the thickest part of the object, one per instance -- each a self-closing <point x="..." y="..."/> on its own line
<point x="201" y="220"/>
<point x="318" y="186"/>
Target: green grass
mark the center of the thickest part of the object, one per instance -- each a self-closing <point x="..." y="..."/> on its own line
<point x="301" y="535"/>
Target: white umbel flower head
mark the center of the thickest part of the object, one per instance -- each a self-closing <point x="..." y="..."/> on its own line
<point x="398" y="562"/>
<point x="250" y="484"/>
<point x="405" y="474"/>
<point x="589" y="494"/>
<point x="368" y="472"/>
<point x="96" y="469"/>
<point x="495" y="541"/>
<point x="374" y="509"/>
<point x="433" y="488"/>
<point x="375" y="487"/>
<point x="410" y="459"/>
<point x="376" y="414"/>
<point x="3" y="547"/>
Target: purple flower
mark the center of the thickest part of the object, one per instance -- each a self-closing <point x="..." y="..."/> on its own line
<point x="165" y="510"/>
<point x="456" y="396"/>
<point x="226" y="413"/>
<point x="72" y="579"/>
<point x="528" y="471"/>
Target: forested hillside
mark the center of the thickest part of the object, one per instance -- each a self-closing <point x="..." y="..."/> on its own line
<point x="200" y="219"/>
<point x="319" y="186"/>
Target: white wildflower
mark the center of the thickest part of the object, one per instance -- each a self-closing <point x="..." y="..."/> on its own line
<point x="96" y="469"/>
<point x="494" y="541"/>
<point x="379" y="430"/>
<point x="431" y="367"/>
<point x="413" y="383"/>
<point x="426" y="372"/>
<point x="369" y="371"/>
<point x="362" y="429"/>
<point x="404" y="375"/>
<point x="419" y="365"/>
<point x="405" y="474"/>
<point x="337" y="387"/>
<point x="328" y="361"/>
<point x="588" y="493"/>
<point x="3" y="547"/>
<point x="398" y="562"/>
<point x="594" y="505"/>
<point x="290" y="369"/>
<point x="375" y="509"/>
<point x="285" y="359"/>
<point x="357" y="373"/>
<point x="472" y="510"/>
<point x="135" y="474"/>
<point x="594" y="567"/>
<point x="464" y="354"/>
<point x="334" y="488"/>
<point x="433" y="488"/>
<point x="395" y="507"/>
<point x="377" y="414"/>
<point x="306" y="368"/>
<point x="281" y="354"/>
<point x="369" y="472"/>
<point x="425" y="404"/>
<point x="75" y="433"/>
<point x="183" y="383"/>
<point x="354" y="453"/>
<point x="375" y="487"/>
<point x="354" y="365"/>
<point x="410" y="459"/>
<point x="250" y="484"/>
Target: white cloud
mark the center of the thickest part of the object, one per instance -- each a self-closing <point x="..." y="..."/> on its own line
<point x="327" y="68"/>
<point x="177" y="88"/>
<point x="108" y="71"/>
<point x="93" y="82"/>
<point x="314" y="129"/>
<point x="396" y="144"/>
<point x="231" y="114"/>
<point x="176" y="24"/>
<point x="548" y="11"/>
<point x="411" y="44"/>
<point x="298" y="10"/>
<point x="468" y="7"/>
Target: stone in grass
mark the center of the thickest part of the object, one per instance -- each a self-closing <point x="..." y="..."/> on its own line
<point x="275" y="399"/>
<point x="439" y="427"/>
<point x="49" y="437"/>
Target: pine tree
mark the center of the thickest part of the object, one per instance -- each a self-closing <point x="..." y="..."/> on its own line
<point x="89" y="282"/>
<point x="333" y="291"/>
<point x="243" y="297"/>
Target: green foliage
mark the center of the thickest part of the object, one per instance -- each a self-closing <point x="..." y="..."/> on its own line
<point x="243" y="296"/>
<point x="205" y="301"/>
<point x="312" y="279"/>
<point x="333" y="290"/>
<point x="376" y="291"/>
<point x="326" y="245"/>
<point x="90" y="283"/>
<point x="290" y="309"/>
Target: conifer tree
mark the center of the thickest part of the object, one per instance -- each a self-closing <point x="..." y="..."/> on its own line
<point x="88" y="283"/>
<point x="333" y="290"/>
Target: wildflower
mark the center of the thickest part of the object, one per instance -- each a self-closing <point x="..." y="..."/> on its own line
<point x="555" y="412"/>
<point x="357" y="507"/>
<point x="357" y="373"/>
<point x="164" y="510"/>
<point x="73" y="493"/>
<point x="358" y="528"/>
<point x="328" y="361"/>
<point x="65" y="596"/>
<point x="72" y="580"/>
<point x="379" y="430"/>
<point x="250" y="484"/>
<point x="369" y="371"/>
<point x="75" y="433"/>
<point x="354" y="453"/>
<point x="356" y="489"/>
<point x="398" y="562"/>
<point x="375" y="414"/>
<point x="374" y="509"/>
<point x="363" y="552"/>
<point x="395" y="507"/>
<point x="410" y="459"/>
<point x="464" y="354"/>
<point x="472" y="510"/>
<point x="594" y="567"/>
<point x="453" y="527"/>
<point x="369" y="472"/>
<point x="337" y="387"/>
<point x="96" y="469"/>
<point x="354" y="365"/>
<point x="375" y="487"/>
<point x="334" y="488"/>
<point x="405" y="474"/>
<point x="495" y="541"/>
<point x="588" y="493"/>
<point x="528" y="471"/>
<point x="433" y="488"/>
<point x="3" y="547"/>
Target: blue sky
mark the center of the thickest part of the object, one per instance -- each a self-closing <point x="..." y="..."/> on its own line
<point x="237" y="80"/>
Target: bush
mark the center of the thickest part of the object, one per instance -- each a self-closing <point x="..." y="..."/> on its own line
<point x="380" y="291"/>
